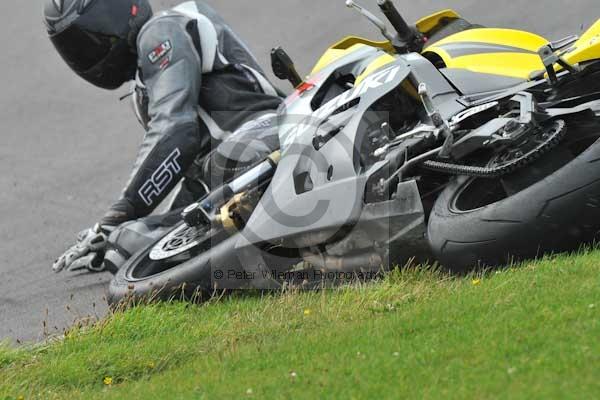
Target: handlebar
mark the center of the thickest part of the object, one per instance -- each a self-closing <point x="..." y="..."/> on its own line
<point x="405" y="33"/>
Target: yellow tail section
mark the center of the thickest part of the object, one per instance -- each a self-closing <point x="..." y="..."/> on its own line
<point x="587" y="47"/>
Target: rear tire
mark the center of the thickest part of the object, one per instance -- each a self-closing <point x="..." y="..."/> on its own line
<point x="551" y="206"/>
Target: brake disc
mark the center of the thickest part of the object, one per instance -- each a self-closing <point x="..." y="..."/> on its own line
<point x="178" y="241"/>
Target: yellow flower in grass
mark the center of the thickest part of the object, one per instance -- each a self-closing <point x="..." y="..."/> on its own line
<point x="307" y="312"/>
<point x="476" y="282"/>
<point x="107" y="380"/>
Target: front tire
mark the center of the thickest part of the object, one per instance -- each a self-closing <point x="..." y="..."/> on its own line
<point x="183" y="275"/>
<point x="550" y="206"/>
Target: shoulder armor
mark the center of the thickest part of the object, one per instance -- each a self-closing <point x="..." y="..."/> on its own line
<point x="208" y="34"/>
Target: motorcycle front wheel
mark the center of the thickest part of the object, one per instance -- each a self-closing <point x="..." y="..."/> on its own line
<point x="196" y="263"/>
<point x="177" y="265"/>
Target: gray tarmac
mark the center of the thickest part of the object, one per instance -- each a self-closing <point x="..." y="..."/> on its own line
<point x="66" y="147"/>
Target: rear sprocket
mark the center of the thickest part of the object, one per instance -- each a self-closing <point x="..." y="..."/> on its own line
<point x="509" y="159"/>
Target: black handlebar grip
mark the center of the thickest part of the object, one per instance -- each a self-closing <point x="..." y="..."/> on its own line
<point x="392" y="14"/>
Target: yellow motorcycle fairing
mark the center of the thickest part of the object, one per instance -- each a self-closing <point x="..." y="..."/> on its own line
<point x="381" y="61"/>
<point x="505" y="52"/>
<point x="428" y="23"/>
<point x="345" y="47"/>
<point x="587" y="47"/>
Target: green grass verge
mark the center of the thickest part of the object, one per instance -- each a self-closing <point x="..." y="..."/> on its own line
<point x="528" y="332"/>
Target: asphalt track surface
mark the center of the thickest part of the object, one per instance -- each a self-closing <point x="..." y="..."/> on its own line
<point x="66" y="147"/>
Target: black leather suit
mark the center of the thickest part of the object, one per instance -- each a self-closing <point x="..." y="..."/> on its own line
<point x="196" y="83"/>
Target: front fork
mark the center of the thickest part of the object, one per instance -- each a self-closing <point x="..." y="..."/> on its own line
<point x="209" y="210"/>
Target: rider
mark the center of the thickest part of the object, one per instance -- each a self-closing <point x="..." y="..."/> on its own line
<point x="195" y="81"/>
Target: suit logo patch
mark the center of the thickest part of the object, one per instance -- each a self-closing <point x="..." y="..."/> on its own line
<point x="161" y="178"/>
<point x="160" y="51"/>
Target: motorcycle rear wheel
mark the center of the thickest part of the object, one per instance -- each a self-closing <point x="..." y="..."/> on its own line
<point x="550" y="206"/>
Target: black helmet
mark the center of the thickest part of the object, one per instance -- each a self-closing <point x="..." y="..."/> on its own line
<point x="97" y="38"/>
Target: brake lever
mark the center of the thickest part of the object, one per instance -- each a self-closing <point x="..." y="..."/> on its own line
<point x="371" y="17"/>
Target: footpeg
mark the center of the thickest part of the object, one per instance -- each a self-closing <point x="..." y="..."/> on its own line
<point x="564" y="43"/>
<point x="550" y="56"/>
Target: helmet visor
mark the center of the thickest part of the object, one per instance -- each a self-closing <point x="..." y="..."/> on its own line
<point x="82" y="49"/>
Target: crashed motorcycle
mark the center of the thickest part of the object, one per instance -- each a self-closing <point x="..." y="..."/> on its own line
<point x="446" y="141"/>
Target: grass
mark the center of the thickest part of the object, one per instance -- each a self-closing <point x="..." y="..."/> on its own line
<point x="527" y="332"/>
